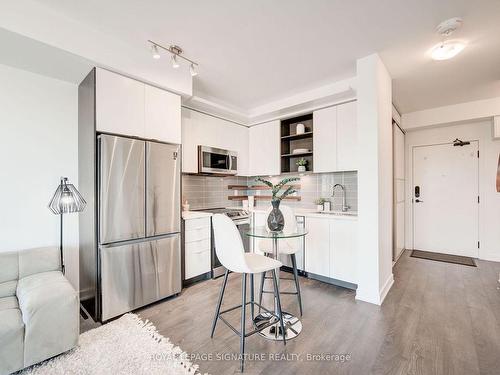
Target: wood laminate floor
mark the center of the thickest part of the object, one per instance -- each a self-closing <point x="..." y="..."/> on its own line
<point x="438" y="318"/>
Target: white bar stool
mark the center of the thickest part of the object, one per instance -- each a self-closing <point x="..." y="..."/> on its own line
<point x="287" y="247"/>
<point x="231" y="254"/>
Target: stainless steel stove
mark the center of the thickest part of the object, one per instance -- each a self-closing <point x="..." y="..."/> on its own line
<point x="242" y="220"/>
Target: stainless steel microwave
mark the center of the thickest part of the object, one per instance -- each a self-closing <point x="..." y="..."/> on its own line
<point x="213" y="160"/>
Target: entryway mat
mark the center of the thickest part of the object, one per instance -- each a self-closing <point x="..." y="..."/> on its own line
<point x="447" y="258"/>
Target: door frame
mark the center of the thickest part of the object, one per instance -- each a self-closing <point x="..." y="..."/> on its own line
<point x="412" y="186"/>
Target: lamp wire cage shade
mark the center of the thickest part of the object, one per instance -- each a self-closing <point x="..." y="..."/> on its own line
<point x="66" y="199"/>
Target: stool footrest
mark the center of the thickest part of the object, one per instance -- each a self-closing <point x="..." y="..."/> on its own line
<point x="271" y="292"/>
<point x="271" y="322"/>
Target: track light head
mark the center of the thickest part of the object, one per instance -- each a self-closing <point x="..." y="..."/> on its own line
<point x="175" y="63"/>
<point x="155" y="52"/>
<point x="192" y="70"/>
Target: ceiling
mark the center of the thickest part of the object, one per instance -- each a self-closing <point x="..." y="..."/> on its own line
<point x="252" y="52"/>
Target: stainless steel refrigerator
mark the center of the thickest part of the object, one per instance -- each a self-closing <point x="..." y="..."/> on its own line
<point x="139" y="224"/>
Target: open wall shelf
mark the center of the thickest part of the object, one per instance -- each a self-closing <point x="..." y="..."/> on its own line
<point x="290" y="141"/>
<point x="261" y="197"/>
<point x="258" y="187"/>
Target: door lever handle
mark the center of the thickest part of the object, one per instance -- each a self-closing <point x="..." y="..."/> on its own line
<point x="418" y="201"/>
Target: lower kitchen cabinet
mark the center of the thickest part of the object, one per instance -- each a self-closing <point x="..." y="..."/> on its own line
<point x="197" y="239"/>
<point x="343" y="242"/>
<point x="331" y="248"/>
<point x="317" y="251"/>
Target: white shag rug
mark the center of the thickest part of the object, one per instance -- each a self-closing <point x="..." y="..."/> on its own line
<point x="127" y="345"/>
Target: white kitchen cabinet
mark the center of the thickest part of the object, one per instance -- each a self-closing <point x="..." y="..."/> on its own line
<point x="264" y="149"/>
<point x="162" y="115"/>
<point x="343" y="243"/>
<point x="317" y="251"/>
<point x="119" y="104"/>
<point x="330" y="248"/>
<point x="335" y="138"/>
<point x="347" y="137"/>
<point x="128" y="107"/>
<point x="197" y="248"/>
<point x="325" y="140"/>
<point x="205" y="130"/>
<point x="496" y="127"/>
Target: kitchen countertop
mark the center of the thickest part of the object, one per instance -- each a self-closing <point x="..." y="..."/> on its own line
<point x="351" y="215"/>
<point x="188" y="215"/>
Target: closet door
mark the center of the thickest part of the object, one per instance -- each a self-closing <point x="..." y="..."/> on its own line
<point x="398" y="191"/>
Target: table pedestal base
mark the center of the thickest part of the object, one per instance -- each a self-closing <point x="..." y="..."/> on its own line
<point x="293" y="326"/>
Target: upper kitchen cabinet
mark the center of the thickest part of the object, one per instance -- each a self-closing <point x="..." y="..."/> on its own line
<point x="325" y="140"/>
<point x="162" y="115"/>
<point x="347" y="137"/>
<point x="264" y="149"/>
<point x="199" y="129"/>
<point x="335" y="138"/>
<point x="125" y="106"/>
<point x="119" y="104"/>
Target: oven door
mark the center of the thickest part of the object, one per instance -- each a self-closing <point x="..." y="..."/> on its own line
<point x="243" y="226"/>
<point x="217" y="161"/>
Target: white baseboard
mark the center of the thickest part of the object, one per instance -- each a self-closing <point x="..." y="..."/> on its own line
<point x="376" y="299"/>
<point x="387" y="286"/>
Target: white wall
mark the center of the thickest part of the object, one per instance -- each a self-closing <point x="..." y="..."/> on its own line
<point x="38" y="145"/>
<point x="374" y="260"/>
<point x="489" y="150"/>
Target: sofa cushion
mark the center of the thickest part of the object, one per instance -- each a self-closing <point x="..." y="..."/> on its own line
<point x="50" y="307"/>
<point x="40" y="259"/>
<point x="9" y="273"/>
<point x="11" y="338"/>
<point x="8" y="303"/>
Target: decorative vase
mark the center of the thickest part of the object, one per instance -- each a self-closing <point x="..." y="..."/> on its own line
<point x="301" y="129"/>
<point x="275" y="220"/>
<point x="319" y="207"/>
<point x="302" y="168"/>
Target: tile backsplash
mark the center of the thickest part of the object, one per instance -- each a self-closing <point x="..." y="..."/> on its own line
<point x="209" y="192"/>
<point x="314" y="186"/>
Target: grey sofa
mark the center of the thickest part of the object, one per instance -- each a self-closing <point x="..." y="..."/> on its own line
<point x="39" y="309"/>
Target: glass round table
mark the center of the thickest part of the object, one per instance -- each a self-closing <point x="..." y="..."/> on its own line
<point x="293" y="325"/>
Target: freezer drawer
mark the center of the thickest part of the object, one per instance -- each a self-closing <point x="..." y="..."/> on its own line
<point x="163" y="188"/>
<point x="137" y="274"/>
<point x="121" y="189"/>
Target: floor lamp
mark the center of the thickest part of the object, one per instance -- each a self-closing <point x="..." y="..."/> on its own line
<point x="66" y="199"/>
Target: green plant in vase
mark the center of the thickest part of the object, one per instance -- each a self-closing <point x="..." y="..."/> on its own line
<point x="275" y="220"/>
<point x="302" y="164"/>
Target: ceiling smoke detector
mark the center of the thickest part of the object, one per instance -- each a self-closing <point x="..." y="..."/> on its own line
<point x="448" y="27"/>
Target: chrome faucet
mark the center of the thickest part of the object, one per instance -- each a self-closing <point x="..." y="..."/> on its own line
<point x="345" y="207"/>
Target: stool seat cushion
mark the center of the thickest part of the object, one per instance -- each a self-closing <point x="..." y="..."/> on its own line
<point x="257" y="263"/>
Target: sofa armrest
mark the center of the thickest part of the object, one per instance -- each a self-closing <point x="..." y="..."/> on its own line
<point x="50" y="311"/>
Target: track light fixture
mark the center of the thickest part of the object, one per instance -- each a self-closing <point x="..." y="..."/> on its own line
<point x="176" y="54"/>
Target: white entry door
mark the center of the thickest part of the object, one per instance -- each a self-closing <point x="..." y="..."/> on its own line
<point x="445" y="199"/>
